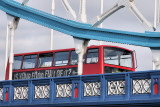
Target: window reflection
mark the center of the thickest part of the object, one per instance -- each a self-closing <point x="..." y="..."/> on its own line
<point x="116" y="56"/>
<point x="92" y="56"/>
<point x="74" y="58"/>
<point x="61" y="58"/>
<point x="17" y="62"/>
<point x="45" y="60"/>
<point x="29" y="61"/>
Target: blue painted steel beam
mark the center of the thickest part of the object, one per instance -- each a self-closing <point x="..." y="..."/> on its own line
<point x="80" y="30"/>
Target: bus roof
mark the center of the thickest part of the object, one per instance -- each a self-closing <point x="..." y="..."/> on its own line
<point x="59" y="50"/>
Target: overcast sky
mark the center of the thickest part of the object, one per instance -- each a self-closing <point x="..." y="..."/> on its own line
<point x="31" y="37"/>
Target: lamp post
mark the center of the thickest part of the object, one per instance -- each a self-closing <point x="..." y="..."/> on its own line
<point x="52" y="12"/>
<point x="101" y="12"/>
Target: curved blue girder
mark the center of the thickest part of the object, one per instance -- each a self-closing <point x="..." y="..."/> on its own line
<point x="80" y="30"/>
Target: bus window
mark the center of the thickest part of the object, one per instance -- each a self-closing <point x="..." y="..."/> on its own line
<point x="114" y="70"/>
<point x="74" y="58"/>
<point x="61" y="58"/>
<point x="29" y="61"/>
<point x="45" y="60"/>
<point x="92" y="56"/>
<point x="17" y="62"/>
<point x="116" y="56"/>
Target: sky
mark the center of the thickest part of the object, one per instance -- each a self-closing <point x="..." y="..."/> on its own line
<point x="30" y="37"/>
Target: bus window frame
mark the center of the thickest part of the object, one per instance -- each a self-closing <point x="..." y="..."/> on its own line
<point x="71" y="59"/>
<point x="59" y="52"/>
<point x="35" y="64"/>
<point x="21" y="62"/>
<point x="118" y="66"/>
<point x="77" y="59"/>
<point x="87" y="55"/>
<point x="51" y="61"/>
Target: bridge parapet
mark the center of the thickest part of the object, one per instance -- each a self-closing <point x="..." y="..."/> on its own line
<point x="79" y="90"/>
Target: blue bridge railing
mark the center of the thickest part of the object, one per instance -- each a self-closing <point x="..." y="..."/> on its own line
<point x="117" y="88"/>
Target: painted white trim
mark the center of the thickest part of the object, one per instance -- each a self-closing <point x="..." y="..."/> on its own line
<point x="101" y="12"/>
<point x="11" y="59"/>
<point x="6" y="48"/>
<point x="52" y="12"/>
<point x="158" y="11"/>
<point x="132" y="7"/>
<point x="82" y="11"/>
<point x="155" y="14"/>
<point x="69" y="9"/>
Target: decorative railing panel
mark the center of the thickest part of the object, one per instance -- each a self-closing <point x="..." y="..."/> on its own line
<point x="1" y="94"/>
<point x="42" y="91"/>
<point x="141" y="86"/>
<point x="92" y="88"/>
<point x="116" y="87"/>
<point x="63" y="90"/>
<point x="20" y="93"/>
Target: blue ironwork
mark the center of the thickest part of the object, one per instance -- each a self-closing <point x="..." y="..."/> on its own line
<point x="141" y="86"/>
<point x="92" y="89"/>
<point x="20" y="93"/>
<point x="63" y="90"/>
<point x="41" y="91"/>
<point x="105" y="89"/>
<point x="116" y="87"/>
<point x="79" y="30"/>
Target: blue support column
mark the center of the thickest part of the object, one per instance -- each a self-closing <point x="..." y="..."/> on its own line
<point x="106" y="88"/>
<point x="159" y="86"/>
<point x="54" y="91"/>
<point x="11" y="93"/>
<point x="103" y="88"/>
<point x="80" y="89"/>
<point x="30" y="91"/>
<point x="52" y="88"/>
<point x="127" y="86"/>
<point x="152" y="86"/>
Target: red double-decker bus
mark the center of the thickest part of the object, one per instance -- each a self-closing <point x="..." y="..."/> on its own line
<point x="57" y="63"/>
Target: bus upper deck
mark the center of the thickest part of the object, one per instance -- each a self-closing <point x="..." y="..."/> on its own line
<point x="56" y="63"/>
